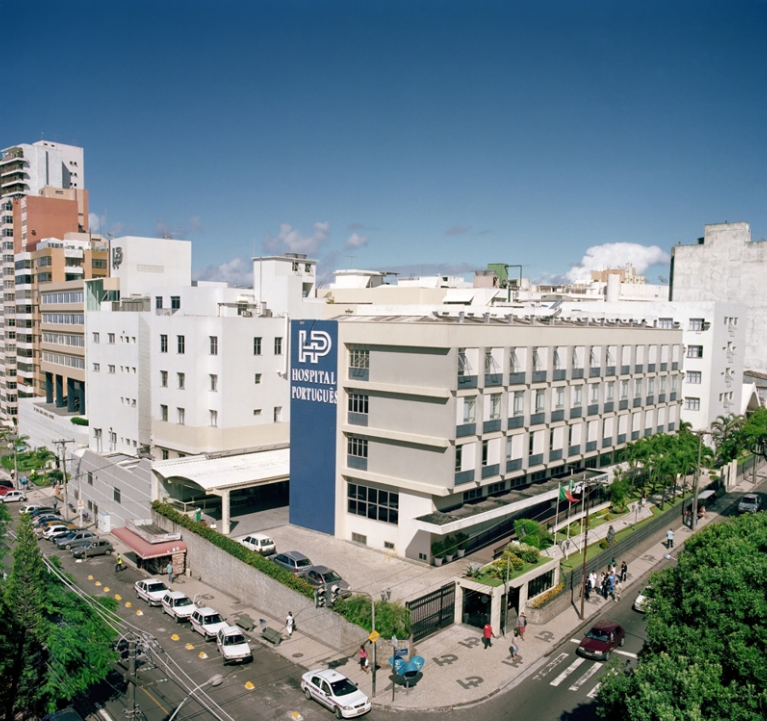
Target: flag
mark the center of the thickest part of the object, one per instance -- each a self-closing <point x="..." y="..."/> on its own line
<point x="566" y="495"/>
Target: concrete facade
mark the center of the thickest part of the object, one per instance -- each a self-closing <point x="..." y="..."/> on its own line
<point x="726" y="265"/>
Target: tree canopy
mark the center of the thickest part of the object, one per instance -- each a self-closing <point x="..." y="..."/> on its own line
<point x="706" y="656"/>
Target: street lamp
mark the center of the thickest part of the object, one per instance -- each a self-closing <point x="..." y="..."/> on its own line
<point x="216" y="680"/>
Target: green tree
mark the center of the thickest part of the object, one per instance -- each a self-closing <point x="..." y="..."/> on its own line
<point x="707" y="634"/>
<point x="53" y="643"/>
<point x="754" y="432"/>
<point x="727" y="432"/>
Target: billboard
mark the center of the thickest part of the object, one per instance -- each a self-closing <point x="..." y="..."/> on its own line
<point x="313" y="413"/>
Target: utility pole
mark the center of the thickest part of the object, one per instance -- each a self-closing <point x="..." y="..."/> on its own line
<point x="132" y="673"/>
<point x="694" y="515"/>
<point x="63" y="443"/>
<point x="585" y="551"/>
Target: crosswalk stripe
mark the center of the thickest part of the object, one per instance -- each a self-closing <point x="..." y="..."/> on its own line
<point x="627" y="653"/>
<point x="562" y="676"/>
<point x="586" y="676"/>
<point x="594" y="691"/>
<point x="549" y="666"/>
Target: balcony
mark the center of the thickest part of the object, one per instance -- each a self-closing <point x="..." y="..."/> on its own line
<point x="621" y="438"/>
<point x="535" y="460"/>
<point x="625" y="370"/>
<point x="464" y="477"/>
<point x="467" y="381"/>
<point x="493" y="470"/>
<point x="650" y="400"/>
<point x="357" y="463"/>
<point x="537" y="418"/>
<point x="516" y="422"/>
<point x="466" y="429"/>
<point x="610" y="371"/>
<point x="609" y="407"/>
<point x="358" y="419"/>
<point x="557" y="415"/>
<point x="577" y="373"/>
<point x="574" y="450"/>
<point x="514" y="465"/>
<point x="595" y="372"/>
<point x="593" y="409"/>
<point x="555" y="455"/>
<point x="576" y="412"/>
<point x="560" y="374"/>
<point x="539" y="376"/>
<point x="493" y="379"/>
<point x="591" y="446"/>
<point x="516" y="379"/>
<point x="491" y="426"/>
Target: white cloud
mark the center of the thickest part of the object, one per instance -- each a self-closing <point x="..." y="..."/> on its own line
<point x="293" y="241"/>
<point x="356" y="241"/>
<point x="95" y="222"/>
<point x="236" y="272"/>
<point x="615" y="255"/>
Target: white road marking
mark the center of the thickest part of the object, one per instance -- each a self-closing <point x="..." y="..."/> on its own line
<point x="594" y="691"/>
<point x="549" y="666"/>
<point x="586" y="676"/>
<point x="627" y="653"/>
<point x="575" y="640"/>
<point x="562" y="676"/>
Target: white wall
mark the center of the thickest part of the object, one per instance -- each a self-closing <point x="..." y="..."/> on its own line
<point x="149" y="263"/>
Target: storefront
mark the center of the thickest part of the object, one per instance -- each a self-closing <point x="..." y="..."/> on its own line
<point x="153" y="547"/>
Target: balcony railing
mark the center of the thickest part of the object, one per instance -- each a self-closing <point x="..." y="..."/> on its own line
<point x="492" y="470"/>
<point x="516" y="422"/>
<point x="491" y="426"/>
<point x="465" y="429"/>
<point x="464" y="477"/>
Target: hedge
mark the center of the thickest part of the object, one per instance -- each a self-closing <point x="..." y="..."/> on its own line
<point x="278" y="573"/>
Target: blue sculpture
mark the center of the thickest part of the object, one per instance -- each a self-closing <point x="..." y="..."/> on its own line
<point x="407" y="669"/>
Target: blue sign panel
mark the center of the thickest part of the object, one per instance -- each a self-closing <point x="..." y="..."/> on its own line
<point x="313" y="406"/>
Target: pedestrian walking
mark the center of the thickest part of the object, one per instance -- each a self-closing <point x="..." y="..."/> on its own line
<point x="487" y="635"/>
<point x="119" y="563"/>
<point x="364" y="660"/>
<point x="587" y="586"/>
<point x="169" y="569"/>
<point x="514" y="650"/>
<point x="611" y="585"/>
<point x="624" y="571"/>
<point x="617" y="591"/>
<point x="604" y="585"/>
<point x="290" y="623"/>
<point x="522" y="625"/>
<point x="670" y="539"/>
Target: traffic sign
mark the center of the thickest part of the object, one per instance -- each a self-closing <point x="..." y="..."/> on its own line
<point x="373" y="636"/>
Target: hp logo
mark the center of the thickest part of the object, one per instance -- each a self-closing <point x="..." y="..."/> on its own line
<point x="319" y="345"/>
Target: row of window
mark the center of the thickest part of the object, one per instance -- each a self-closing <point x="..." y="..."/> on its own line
<point x="373" y="503"/>
<point x="213" y="345"/>
<point x="181" y="380"/>
<point x="64" y="360"/>
<point x="60" y="318"/>
<point x="75" y="296"/>
<point x="61" y="339"/>
<point x="111" y="337"/>
<point x="213" y="415"/>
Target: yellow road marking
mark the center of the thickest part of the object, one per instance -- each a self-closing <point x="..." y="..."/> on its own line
<point x="118" y="597"/>
<point x="249" y="685"/>
<point x="164" y="710"/>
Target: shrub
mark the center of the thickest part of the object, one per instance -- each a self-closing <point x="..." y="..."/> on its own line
<point x="529" y="531"/>
<point x="544" y="598"/>
<point x="438" y="549"/>
<point x="497" y="569"/>
<point x="461" y="538"/>
<point x="392" y="617"/>
<point x="473" y="569"/>
<point x="79" y="421"/>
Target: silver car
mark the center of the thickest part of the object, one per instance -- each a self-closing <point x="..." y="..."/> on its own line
<point x="750" y="503"/>
<point x="293" y="561"/>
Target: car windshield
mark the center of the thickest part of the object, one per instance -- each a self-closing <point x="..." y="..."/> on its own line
<point x="234" y="640"/>
<point x="598" y="634"/>
<point x="153" y="587"/>
<point x="343" y="687"/>
<point x="331" y="576"/>
<point x="182" y="602"/>
<point x="303" y="562"/>
<point x="213" y="618"/>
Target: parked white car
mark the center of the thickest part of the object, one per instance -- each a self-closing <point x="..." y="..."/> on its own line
<point x="207" y="622"/>
<point x="641" y="600"/>
<point x="177" y="605"/>
<point x="335" y="691"/>
<point x="12" y="496"/>
<point x="260" y="543"/>
<point x="232" y="645"/>
<point x="151" y="590"/>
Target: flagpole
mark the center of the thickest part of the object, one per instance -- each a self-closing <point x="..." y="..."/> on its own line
<point x="556" y="520"/>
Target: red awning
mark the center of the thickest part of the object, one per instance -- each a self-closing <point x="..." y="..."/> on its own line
<point x="146" y="550"/>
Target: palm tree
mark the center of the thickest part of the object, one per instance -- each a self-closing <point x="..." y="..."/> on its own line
<point x="728" y="437"/>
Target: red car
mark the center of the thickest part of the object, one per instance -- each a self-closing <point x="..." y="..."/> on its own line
<point x="603" y="638"/>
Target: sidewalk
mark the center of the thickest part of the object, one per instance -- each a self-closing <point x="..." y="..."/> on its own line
<point x="458" y="670"/>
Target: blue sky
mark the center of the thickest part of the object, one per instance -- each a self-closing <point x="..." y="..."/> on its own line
<point x="402" y="135"/>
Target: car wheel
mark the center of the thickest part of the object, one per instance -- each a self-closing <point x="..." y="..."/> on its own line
<point x="607" y="657"/>
<point x="623" y="641"/>
<point x="338" y="713"/>
<point x="67" y="547"/>
<point x="109" y="552"/>
<point x="137" y="596"/>
<point x="308" y="694"/>
<point x="178" y="619"/>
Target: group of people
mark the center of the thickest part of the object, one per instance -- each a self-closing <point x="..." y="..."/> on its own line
<point x="610" y="582"/>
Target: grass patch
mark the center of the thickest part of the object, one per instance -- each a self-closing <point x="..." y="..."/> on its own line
<point x="488" y="580"/>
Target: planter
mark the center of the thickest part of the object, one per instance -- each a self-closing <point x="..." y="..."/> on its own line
<point x="461" y="552"/>
<point x="449" y="557"/>
<point x="437" y="562"/>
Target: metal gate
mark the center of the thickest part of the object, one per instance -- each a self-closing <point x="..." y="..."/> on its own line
<point x="432" y="612"/>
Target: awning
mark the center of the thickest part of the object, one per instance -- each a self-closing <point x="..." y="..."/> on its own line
<point x="146" y="550"/>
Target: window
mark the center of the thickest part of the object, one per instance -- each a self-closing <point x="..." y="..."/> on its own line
<point x="111" y="337"/>
<point x="696" y="324"/>
<point x="357" y="447"/>
<point x="163" y="413"/>
<point x="181" y="380"/>
<point x="666" y="323"/>
<point x="165" y="454"/>
<point x="358" y="403"/>
<point x="519" y="403"/>
<point x="90" y="478"/>
<point x="359" y="359"/>
<point x="495" y="406"/>
<point x="214" y="382"/>
<point x="175" y="302"/>
<point x="163" y="379"/>
<point x="213" y="418"/>
<point x="469" y="409"/>
<point x="651" y="386"/>
<point x="693" y="377"/>
<point x="163" y="343"/>
<point x="577" y="396"/>
<point x="278" y="414"/>
<point x="594" y="393"/>
<point x="111" y="369"/>
<point x="458" y="458"/>
<point x="158" y="302"/>
<point x="559" y="397"/>
<point x="485" y="453"/>
<point x="610" y="391"/>
<point x="180" y="344"/>
<point x="213" y="345"/>
<point x="258" y="377"/>
<point x="256" y="411"/>
<point x="663" y="384"/>
<point x="624" y="390"/>
<point x="97" y="367"/>
<point x="673" y="384"/>
<point x="256" y="346"/>
<point x="180" y="415"/>
<point x="637" y="388"/>
<point x="695" y="351"/>
<point x="117" y="495"/>
<point x="278" y="346"/>
<point x="373" y="503"/>
<point x="96" y="338"/>
<point x="692" y="404"/>
<point x="540" y="400"/>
